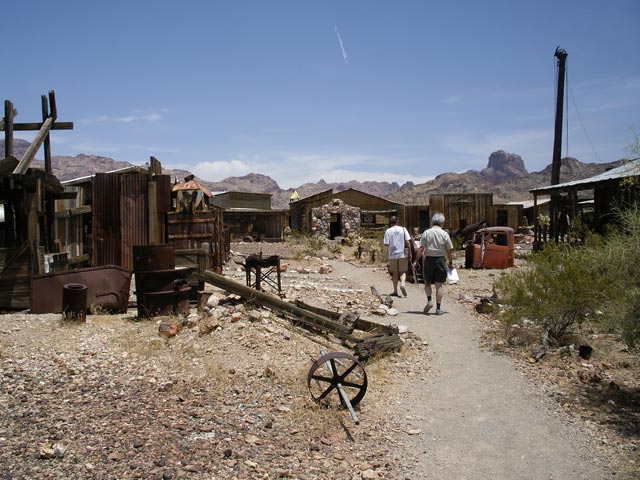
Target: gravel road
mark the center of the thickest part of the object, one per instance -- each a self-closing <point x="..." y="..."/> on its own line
<point x="474" y="415"/>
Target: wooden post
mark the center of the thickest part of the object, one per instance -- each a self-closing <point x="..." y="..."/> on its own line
<point x="155" y="167"/>
<point x="9" y="113"/>
<point x="52" y="104"/>
<point x="47" y="140"/>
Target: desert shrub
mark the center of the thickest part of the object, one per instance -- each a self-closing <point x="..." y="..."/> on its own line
<point x="620" y="257"/>
<point x="562" y="286"/>
<point x="557" y="291"/>
<point x="314" y="245"/>
<point x="334" y="249"/>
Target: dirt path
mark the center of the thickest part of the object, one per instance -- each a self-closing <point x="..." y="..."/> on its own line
<point x="477" y="416"/>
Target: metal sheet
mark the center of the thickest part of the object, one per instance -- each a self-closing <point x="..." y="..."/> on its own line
<point x="107" y="287"/>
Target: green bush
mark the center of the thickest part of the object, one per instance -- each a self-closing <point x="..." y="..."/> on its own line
<point x="563" y="286"/>
<point x="556" y="291"/>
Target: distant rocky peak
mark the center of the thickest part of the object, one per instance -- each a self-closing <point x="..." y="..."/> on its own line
<point x="504" y="166"/>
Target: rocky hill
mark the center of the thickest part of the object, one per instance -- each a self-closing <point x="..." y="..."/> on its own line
<point x="505" y="176"/>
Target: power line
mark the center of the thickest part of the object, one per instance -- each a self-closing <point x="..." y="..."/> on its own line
<point x="575" y="105"/>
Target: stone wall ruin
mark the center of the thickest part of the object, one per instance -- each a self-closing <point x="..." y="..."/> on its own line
<point x="321" y="218"/>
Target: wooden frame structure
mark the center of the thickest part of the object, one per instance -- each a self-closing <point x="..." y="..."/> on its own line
<point x="27" y="196"/>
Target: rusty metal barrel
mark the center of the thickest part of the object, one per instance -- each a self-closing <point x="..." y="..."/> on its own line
<point x="161" y="289"/>
<point x="74" y="302"/>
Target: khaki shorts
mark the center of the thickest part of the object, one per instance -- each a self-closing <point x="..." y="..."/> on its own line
<point x="398" y="264"/>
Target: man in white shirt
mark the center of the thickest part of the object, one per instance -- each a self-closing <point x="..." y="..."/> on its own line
<point x="398" y="243"/>
<point x="435" y="245"/>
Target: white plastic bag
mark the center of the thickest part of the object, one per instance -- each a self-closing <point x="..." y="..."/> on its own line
<point x="452" y="276"/>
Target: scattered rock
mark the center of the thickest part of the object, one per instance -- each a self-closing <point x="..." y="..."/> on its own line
<point x="169" y="329"/>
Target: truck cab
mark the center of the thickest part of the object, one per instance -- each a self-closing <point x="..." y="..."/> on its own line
<point x="492" y="247"/>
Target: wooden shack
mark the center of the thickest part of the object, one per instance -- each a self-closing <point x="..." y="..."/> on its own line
<point x="248" y="215"/>
<point x="374" y="212"/>
<point x="618" y="187"/>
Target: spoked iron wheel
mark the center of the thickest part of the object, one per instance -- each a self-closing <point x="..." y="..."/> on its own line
<point x="334" y="370"/>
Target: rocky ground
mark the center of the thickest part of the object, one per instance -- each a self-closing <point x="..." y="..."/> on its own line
<point x="227" y="396"/>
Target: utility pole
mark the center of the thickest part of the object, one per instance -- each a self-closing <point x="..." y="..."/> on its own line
<point x="561" y="54"/>
<point x="556" y="163"/>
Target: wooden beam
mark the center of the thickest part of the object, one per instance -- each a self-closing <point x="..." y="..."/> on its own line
<point x="26" y="159"/>
<point x="23" y="127"/>
<point x="307" y="318"/>
<point x="73" y="212"/>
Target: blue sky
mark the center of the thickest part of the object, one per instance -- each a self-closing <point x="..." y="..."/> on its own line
<point x="338" y="90"/>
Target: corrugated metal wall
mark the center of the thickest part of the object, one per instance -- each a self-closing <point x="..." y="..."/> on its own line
<point x="133" y="215"/>
<point x="120" y="215"/>
<point x="106" y="220"/>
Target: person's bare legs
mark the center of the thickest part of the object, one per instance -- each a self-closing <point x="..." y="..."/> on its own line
<point x="403" y="279"/>
<point x="438" y="293"/>
<point x="394" y="279"/>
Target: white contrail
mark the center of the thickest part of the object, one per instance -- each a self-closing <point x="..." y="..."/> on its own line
<point x="344" y="53"/>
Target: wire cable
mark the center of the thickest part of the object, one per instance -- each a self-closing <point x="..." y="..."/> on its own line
<point x="575" y="105"/>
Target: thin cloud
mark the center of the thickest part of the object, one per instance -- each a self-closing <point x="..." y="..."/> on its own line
<point x="344" y="52"/>
<point x="452" y="100"/>
<point x="134" y="117"/>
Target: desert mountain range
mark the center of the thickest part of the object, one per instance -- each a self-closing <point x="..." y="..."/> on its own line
<point x="505" y="175"/>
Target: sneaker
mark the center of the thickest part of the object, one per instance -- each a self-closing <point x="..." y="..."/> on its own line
<point x="439" y="311"/>
<point x="427" y="307"/>
<point x="403" y="290"/>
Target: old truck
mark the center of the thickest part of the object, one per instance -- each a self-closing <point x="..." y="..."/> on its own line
<point x="492" y="247"/>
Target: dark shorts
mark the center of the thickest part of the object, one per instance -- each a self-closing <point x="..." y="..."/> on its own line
<point x="435" y="270"/>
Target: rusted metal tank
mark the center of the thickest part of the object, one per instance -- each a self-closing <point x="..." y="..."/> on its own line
<point x="107" y="288"/>
<point x="161" y="289"/>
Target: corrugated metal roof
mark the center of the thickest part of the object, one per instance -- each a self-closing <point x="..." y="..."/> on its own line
<point x="192" y="185"/>
<point x="132" y="168"/>
<point x="629" y="169"/>
<point x="529" y="203"/>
